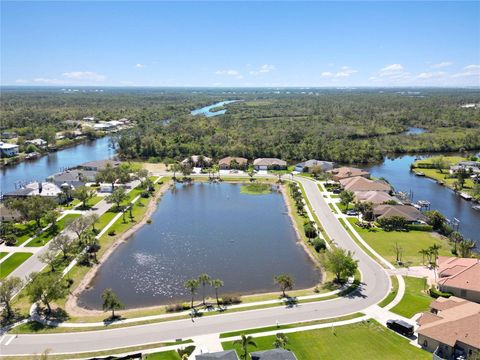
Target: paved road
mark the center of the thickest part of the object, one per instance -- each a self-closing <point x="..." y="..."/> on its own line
<point x="374" y="288"/>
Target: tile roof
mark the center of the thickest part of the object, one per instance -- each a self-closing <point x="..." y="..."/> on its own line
<point x="374" y="197"/>
<point x="408" y="212"/>
<point x="220" y="355"/>
<point x="359" y="183"/>
<point x="275" y="354"/>
<point x="468" y="279"/>
<point x="227" y="160"/>
<point x="346" y="172"/>
<point x="269" y="161"/>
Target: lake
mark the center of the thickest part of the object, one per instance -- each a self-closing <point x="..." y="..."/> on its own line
<point x="443" y="199"/>
<point x="415" y="131"/>
<point x="242" y="239"/>
<point x="206" y="110"/>
<point x="39" y="169"/>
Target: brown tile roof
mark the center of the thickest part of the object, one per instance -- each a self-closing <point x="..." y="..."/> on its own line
<point x="468" y="278"/>
<point x="460" y="323"/>
<point x="447" y="303"/>
<point x="374" y="197"/>
<point x="227" y="160"/>
<point x="450" y="265"/>
<point x="359" y="183"/>
<point x="408" y="212"/>
<point x="269" y="162"/>
<point x="346" y="172"/>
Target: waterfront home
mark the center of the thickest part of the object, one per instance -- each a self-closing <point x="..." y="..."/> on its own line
<point x="275" y="354"/>
<point x="347" y="172"/>
<point x="40" y="143"/>
<point x="359" y="183"/>
<point x="374" y="197"/>
<point x="269" y="164"/>
<point x="468" y="166"/>
<point x="408" y="212"/>
<point x="88" y="118"/>
<point x="8" y="150"/>
<point x="307" y="165"/>
<point x="9" y="135"/>
<point x="73" y="178"/>
<point x="103" y="126"/>
<point x="460" y="277"/>
<point x="451" y="329"/>
<point x="220" y="355"/>
<point x="98" y="165"/>
<point x="36" y="188"/>
<point x="230" y="162"/>
<point x="197" y="161"/>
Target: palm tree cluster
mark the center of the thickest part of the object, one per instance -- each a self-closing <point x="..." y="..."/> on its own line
<point x="298" y="198"/>
<point x="461" y="246"/>
<point x="203" y="280"/>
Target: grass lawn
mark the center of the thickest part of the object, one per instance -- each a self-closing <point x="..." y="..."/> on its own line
<point x="256" y="189"/>
<point x="3" y="254"/>
<point x="392" y="294"/>
<point x="12" y="263"/>
<point x="365" y="340"/>
<point x="414" y="300"/>
<point x="105" y="219"/>
<point x="165" y="355"/>
<point x="48" y="234"/>
<point x="91" y="202"/>
<point x="411" y="241"/>
<point x="25" y="231"/>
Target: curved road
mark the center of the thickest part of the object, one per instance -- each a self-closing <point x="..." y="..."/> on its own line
<point x="374" y="288"/>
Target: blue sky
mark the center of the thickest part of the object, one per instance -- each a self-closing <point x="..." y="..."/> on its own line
<point x="240" y="43"/>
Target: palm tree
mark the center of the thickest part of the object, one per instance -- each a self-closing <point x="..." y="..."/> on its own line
<point x="192" y="286"/>
<point x="204" y="279"/>
<point x="175" y="168"/>
<point x="216" y="284"/>
<point x="434" y="251"/>
<point x="281" y="340"/>
<point x="424" y="253"/>
<point x="244" y="342"/>
<point x="466" y="246"/>
<point x="456" y="238"/>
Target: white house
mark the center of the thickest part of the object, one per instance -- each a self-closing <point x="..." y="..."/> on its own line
<point x="37" y="142"/>
<point x="8" y="149"/>
<point x="89" y="118"/>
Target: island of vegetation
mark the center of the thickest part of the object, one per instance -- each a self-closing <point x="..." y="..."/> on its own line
<point x="256" y="189"/>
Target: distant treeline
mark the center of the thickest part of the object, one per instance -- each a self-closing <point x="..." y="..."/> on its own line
<point x="348" y="126"/>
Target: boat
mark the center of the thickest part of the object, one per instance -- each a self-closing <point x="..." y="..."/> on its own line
<point x="419" y="173"/>
<point x="465" y="196"/>
<point x="476" y="207"/>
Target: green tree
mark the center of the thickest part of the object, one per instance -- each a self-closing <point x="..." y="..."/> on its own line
<point x="192" y="286"/>
<point x="111" y="302"/>
<point x="32" y="207"/>
<point x="309" y="230"/>
<point x="142" y="175"/>
<point x="466" y="247"/>
<point x="346" y="197"/>
<point x="245" y="341"/>
<point x="424" y="253"/>
<point x="216" y="284"/>
<point x="203" y="280"/>
<point x="107" y="175"/>
<point x="455" y="237"/>
<point x="117" y="197"/>
<point x="61" y="243"/>
<point x="8" y="288"/>
<point x="439" y="163"/>
<point x="51" y="218"/>
<point x="436" y="219"/>
<point x="83" y="194"/>
<point x="281" y="341"/>
<point x="176" y="167"/>
<point x="49" y="258"/>
<point x="45" y="289"/>
<point x="284" y="282"/>
<point x="340" y="262"/>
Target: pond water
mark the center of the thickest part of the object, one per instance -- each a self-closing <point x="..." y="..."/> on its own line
<point x="415" y="131"/>
<point x="397" y="172"/>
<point x="242" y="239"/>
<point x="206" y="110"/>
<point x="41" y="168"/>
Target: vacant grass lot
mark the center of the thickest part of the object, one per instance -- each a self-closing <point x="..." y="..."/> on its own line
<point x="411" y="242"/>
<point x="12" y="263"/>
<point x="414" y="300"/>
<point x="365" y="340"/>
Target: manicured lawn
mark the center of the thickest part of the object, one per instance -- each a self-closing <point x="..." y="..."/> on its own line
<point x="165" y="355"/>
<point x="414" y="300"/>
<point x="91" y="203"/>
<point x="256" y="189"/>
<point x="48" y="234"/>
<point x="12" y="263"/>
<point x="365" y="340"/>
<point x="392" y="294"/>
<point x="3" y="254"/>
<point x="25" y="231"/>
<point x="105" y="219"/>
<point x="411" y="242"/>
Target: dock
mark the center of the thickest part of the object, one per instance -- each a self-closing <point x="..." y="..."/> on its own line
<point x="465" y="196"/>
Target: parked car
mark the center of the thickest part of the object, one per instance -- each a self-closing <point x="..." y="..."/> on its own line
<point x="352" y="213"/>
<point x="337" y="191"/>
<point x="401" y="327"/>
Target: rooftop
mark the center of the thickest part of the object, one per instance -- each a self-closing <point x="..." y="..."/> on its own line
<point x="275" y="354"/>
<point x="221" y="355"/>
<point x="346" y="172"/>
<point x="408" y="212"/>
<point x="468" y="278"/>
<point x="227" y="160"/>
<point x="269" y="161"/>
<point x="359" y="183"/>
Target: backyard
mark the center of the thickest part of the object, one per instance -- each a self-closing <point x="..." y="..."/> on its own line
<point x="415" y="299"/>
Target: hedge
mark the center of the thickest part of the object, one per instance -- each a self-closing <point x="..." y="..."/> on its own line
<point x="435" y="293"/>
<point x="419" y="227"/>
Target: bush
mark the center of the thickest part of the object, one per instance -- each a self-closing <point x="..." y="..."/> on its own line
<point x="435" y="293"/>
<point x="176" y="307"/>
<point x="309" y="230"/>
<point x="229" y="300"/>
<point x="319" y="245"/>
<point x="111" y="233"/>
<point x="145" y="194"/>
<point x="188" y="351"/>
<point x="419" y="227"/>
<point x="149" y="221"/>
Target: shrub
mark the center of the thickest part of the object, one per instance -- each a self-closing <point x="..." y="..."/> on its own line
<point x="319" y="245"/>
<point x="419" y="227"/>
<point x="309" y="230"/>
<point x="176" y="307"/>
<point x="229" y="300"/>
<point x="145" y="194"/>
<point x="149" y="221"/>
<point x="188" y="351"/>
<point x="111" y="233"/>
<point x="435" y="293"/>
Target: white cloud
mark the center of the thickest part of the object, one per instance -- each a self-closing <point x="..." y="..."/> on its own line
<point x="48" y="81"/>
<point x="431" y="75"/>
<point x="469" y="71"/>
<point x="326" y="74"/>
<point x="442" y="64"/>
<point x="139" y="66"/>
<point x="21" y="81"/>
<point x="264" y="69"/>
<point x="344" y="72"/>
<point x="84" y="76"/>
<point x="227" y="72"/>
<point x="391" y="70"/>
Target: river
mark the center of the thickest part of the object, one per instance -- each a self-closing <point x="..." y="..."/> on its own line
<point x="443" y="199"/>
<point x="39" y="169"/>
<point x="206" y="110"/>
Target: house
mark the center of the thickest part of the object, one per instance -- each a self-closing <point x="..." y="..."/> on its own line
<point x="232" y="163"/>
<point x="468" y="166"/>
<point x="275" y="354"/>
<point x="359" y="183"/>
<point x="9" y="135"/>
<point x="464" y="281"/>
<point x="8" y="149"/>
<point x="374" y="197"/>
<point x="220" y="355"/>
<point x="347" y="172"/>
<point x="269" y="164"/>
<point x="408" y="212"/>
<point x="450" y="329"/>
<point x="73" y="178"/>
<point x="88" y="118"/>
<point x="114" y="123"/>
<point x="451" y="265"/>
<point x="197" y="161"/>
<point x="35" y="188"/>
<point x="103" y="126"/>
<point x="37" y="142"/>
<point x="307" y="165"/>
<point x="98" y="165"/>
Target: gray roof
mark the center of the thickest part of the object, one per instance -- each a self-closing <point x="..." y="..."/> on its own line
<point x="222" y="355"/>
<point x="275" y="354"/>
<point x="73" y="175"/>
<point x="313" y="162"/>
<point x="269" y="162"/>
<point x="100" y="164"/>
